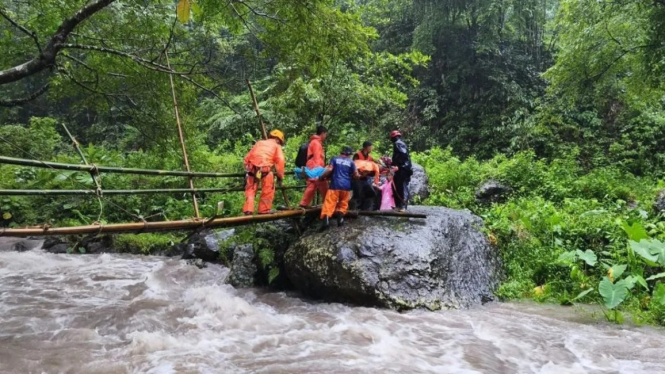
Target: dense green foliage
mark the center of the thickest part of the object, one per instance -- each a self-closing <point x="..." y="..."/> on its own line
<point x="562" y="100"/>
<point x="565" y="234"/>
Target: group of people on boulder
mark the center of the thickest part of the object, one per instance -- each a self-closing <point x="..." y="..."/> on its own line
<point x="348" y="178"/>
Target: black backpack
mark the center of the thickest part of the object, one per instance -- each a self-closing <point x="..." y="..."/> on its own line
<point x="301" y="158"/>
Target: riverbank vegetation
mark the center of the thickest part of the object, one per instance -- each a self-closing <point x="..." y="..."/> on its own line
<point x="560" y="100"/>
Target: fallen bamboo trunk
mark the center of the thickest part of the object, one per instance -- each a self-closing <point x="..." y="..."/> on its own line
<point x="109" y="169"/>
<point x="127" y="192"/>
<point x="143" y="227"/>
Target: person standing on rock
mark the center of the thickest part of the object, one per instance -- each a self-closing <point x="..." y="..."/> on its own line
<point x="387" y="197"/>
<point x="315" y="159"/>
<point x="364" y="154"/>
<point x="402" y="160"/>
<point x="258" y="166"/>
<point x="342" y="170"/>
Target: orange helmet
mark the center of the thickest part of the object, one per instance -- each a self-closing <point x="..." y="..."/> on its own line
<point x="277" y="135"/>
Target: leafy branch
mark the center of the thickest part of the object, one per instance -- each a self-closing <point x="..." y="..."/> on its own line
<point x="30" y="33"/>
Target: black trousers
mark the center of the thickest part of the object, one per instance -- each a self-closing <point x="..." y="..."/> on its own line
<point x="364" y="194"/>
<point x="401" y="188"/>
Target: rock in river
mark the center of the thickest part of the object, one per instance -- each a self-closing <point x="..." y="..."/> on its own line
<point x="243" y="269"/>
<point x="206" y="244"/>
<point x="419" y="185"/>
<point x="444" y="261"/>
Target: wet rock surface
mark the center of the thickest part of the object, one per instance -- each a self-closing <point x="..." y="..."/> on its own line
<point x="443" y="261"/>
<point x="206" y="244"/>
<point x="419" y="185"/>
<point x="492" y="191"/>
<point x="243" y="269"/>
<point x="19" y="244"/>
<point x="96" y="245"/>
<point x="54" y="244"/>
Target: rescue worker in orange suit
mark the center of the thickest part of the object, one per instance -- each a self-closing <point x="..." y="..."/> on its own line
<point x="315" y="159"/>
<point x="363" y="188"/>
<point x="342" y="170"/>
<point x="258" y="165"/>
<point x="364" y="154"/>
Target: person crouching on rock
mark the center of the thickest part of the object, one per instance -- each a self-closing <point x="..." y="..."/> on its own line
<point x="341" y="171"/>
<point x="258" y="167"/>
<point x="363" y="188"/>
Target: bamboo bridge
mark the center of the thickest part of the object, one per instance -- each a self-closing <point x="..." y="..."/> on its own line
<point x="143" y="227"/>
<point x="196" y="223"/>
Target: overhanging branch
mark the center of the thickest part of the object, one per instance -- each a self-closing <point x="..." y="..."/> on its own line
<point x="150" y="65"/>
<point x="47" y="56"/>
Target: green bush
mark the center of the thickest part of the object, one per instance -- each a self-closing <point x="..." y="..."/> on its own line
<point x="562" y="229"/>
<point x="144" y="243"/>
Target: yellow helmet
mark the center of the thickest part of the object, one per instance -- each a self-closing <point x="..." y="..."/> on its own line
<point x="278" y="135"/>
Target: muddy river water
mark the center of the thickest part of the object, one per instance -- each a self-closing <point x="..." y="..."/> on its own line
<point x="128" y="314"/>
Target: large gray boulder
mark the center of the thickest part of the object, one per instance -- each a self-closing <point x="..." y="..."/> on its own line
<point x="419" y="185"/>
<point x="444" y="261"/>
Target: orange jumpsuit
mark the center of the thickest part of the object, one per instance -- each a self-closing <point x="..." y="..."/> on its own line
<point x="367" y="168"/>
<point x="315" y="159"/>
<point x="264" y="155"/>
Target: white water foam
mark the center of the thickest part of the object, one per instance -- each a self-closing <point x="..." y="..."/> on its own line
<point x="127" y="314"/>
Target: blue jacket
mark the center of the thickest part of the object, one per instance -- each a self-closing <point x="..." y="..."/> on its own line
<point x="343" y="170"/>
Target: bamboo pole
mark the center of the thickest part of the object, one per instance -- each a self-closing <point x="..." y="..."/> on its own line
<point x="75" y="144"/>
<point x="128" y="192"/>
<point x="182" y="138"/>
<point x="94" y="175"/>
<point x="113" y="169"/>
<point x="144" y="227"/>
<point x="256" y="108"/>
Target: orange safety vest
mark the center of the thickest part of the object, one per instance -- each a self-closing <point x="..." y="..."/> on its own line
<point x="361" y="156"/>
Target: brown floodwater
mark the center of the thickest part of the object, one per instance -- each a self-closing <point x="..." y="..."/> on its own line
<point x="130" y="314"/>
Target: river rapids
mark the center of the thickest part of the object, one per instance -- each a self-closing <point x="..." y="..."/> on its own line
<point x="128" y="314"/>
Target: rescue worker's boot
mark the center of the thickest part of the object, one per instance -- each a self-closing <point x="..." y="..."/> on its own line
<point x="340" y="219"/>
<point x="325" y="224"/>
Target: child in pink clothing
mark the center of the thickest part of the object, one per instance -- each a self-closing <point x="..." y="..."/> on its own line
<point x="387" y="199"/>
